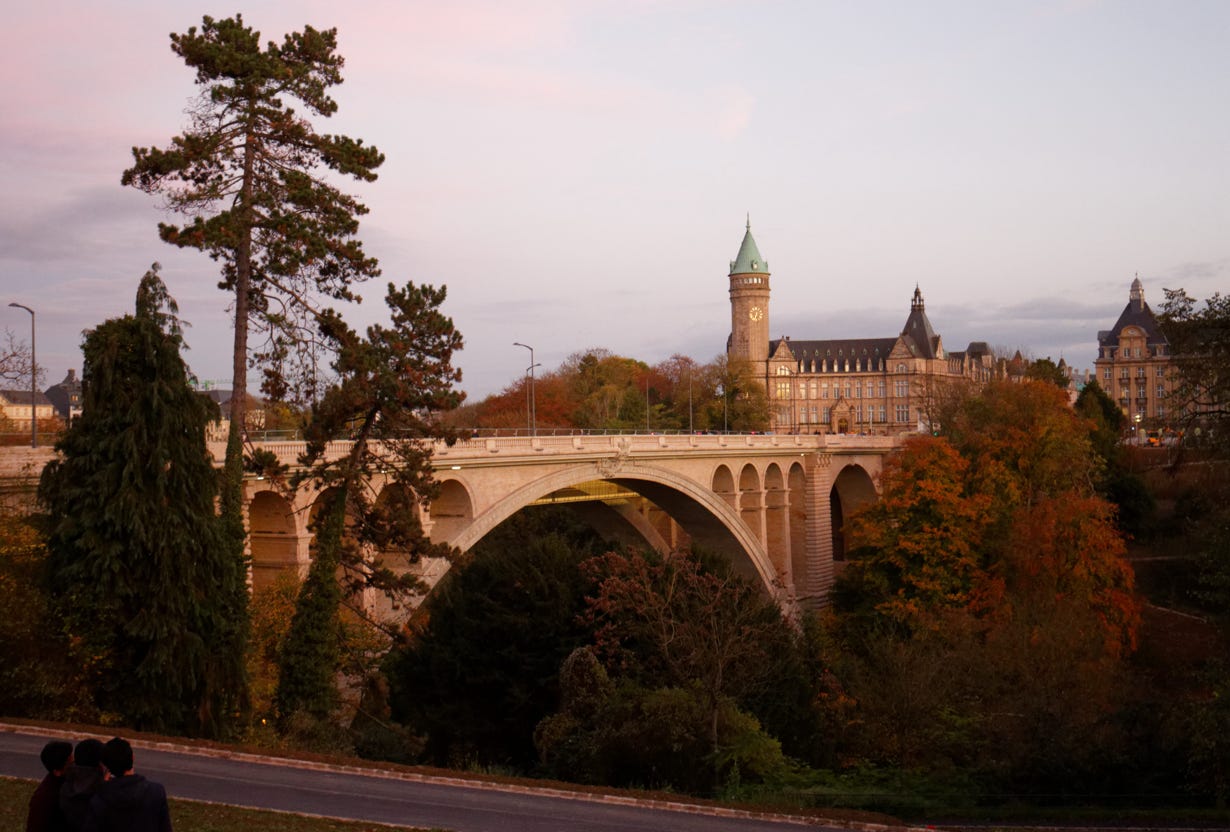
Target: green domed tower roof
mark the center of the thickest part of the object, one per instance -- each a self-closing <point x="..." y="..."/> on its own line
<point x="748" y="260"/>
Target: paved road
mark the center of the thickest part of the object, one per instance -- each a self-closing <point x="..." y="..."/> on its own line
<point x="384" y="800"/>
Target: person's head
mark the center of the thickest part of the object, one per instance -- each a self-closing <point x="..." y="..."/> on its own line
<point x="88" y="753"/>
<point x="117" y="757"/>
<point x="56" y="755"/>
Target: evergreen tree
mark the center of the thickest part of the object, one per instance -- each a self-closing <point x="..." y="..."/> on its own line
<point x="252" y="176"/>
<point x="137" y="567"/>
<point x="392" y="384"/>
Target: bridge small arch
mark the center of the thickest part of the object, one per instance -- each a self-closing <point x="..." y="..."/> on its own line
<point x="273" y="537"/>
<point x="451" y="511"/>
<point x="852" y="488"/>
<point x="796" y="486"/>
<point x="724" y="486"/>
<point x="777" y="521"/>
<point x="751" y="500"/>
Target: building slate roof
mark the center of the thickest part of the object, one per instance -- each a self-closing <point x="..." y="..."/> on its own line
<point x="918" y="328"/>
<point x="917" y="336"/>
<point x="837" y="349"/>
<point x="22" y="397"/>
<point x="1136" y="313"/>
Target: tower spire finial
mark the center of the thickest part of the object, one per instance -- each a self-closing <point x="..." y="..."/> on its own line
<point x="749" y="220"/>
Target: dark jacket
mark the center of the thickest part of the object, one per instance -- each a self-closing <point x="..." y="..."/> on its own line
<point x="129" y="804"/>
<point x="80" y="784"/>
<point x="45" y="814"/>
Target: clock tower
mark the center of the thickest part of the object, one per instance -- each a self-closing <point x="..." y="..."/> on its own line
<point x="749" y="304"/>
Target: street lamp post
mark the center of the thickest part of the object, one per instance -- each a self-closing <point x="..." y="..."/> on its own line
<point x="33" y="379"/>
<point x="532" y="404"/>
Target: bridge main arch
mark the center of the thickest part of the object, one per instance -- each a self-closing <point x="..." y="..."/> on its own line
<point x="707" y="518"/>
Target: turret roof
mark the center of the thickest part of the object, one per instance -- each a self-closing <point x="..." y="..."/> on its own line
<point x="748" y="259"/>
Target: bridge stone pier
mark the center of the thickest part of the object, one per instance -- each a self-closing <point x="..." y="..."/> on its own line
<point x="772" y="504"/>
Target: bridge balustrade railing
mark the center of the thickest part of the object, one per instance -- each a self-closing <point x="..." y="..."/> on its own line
<point x="476" y="446"/>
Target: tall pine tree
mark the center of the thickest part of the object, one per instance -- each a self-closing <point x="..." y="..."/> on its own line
<point x="137" y="565"/>
<point x="251" y="174"/>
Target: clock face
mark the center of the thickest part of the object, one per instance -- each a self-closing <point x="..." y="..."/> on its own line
<point x="755" y="313"/>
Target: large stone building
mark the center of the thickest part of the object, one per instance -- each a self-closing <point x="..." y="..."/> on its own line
<point x="853" y="385"/>
<point x="1134" y="363"/>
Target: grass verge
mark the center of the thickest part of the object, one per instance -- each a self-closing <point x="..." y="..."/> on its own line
<point x="190" y="816"/>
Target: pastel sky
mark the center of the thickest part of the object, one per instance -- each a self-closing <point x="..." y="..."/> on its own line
<point x="578" y="173"/>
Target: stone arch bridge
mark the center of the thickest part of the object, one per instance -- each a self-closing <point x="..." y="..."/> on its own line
<point x="773" y="504"/>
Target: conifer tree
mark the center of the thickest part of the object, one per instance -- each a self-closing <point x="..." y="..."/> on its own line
<point x="137" y="565"/>
<point x="391" y="386"/>
<point x="251" y="175"/>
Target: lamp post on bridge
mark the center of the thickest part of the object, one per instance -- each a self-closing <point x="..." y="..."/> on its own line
<point x="532" y="399"/>
<point x="33" y="379"/>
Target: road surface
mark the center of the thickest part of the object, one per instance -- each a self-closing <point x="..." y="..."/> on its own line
<point x="384" y="799"/>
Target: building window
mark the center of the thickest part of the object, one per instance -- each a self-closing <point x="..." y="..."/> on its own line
<point x="901" y="388"/>
<point x="903" y="413"/>
<point x="1161" y="372"/>
<point x="824" y="389"/>
<point x="1140" y="372"/>
<point x="1106" y="373"/>
<point x="783" y="371"/>
<point x="901" y="368"/>
<point x="883" y="414"/>
<point x="1123" y="372"/>
<point x="883" y="385"/>
<point x="783" y="389"/>
<point x="826" y="415"/>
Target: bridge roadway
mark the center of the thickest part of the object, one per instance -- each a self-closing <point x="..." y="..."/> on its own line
<point x="772" y="503"/>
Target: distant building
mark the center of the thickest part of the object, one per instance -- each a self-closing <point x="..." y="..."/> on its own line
<point x="65" y="397"/>
<point x="1134" y="362"/>
<point x="852" y="385"/>
<point x="254" y="417"/>
<point x="15" y="409"/>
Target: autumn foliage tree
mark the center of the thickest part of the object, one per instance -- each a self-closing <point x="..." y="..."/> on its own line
<point x="918" y="550"/>
<point x="991" y="554"/>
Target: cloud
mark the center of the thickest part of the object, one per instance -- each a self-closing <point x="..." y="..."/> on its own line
<point x="1199" y="273"/>
<point x="104" y="221"/>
